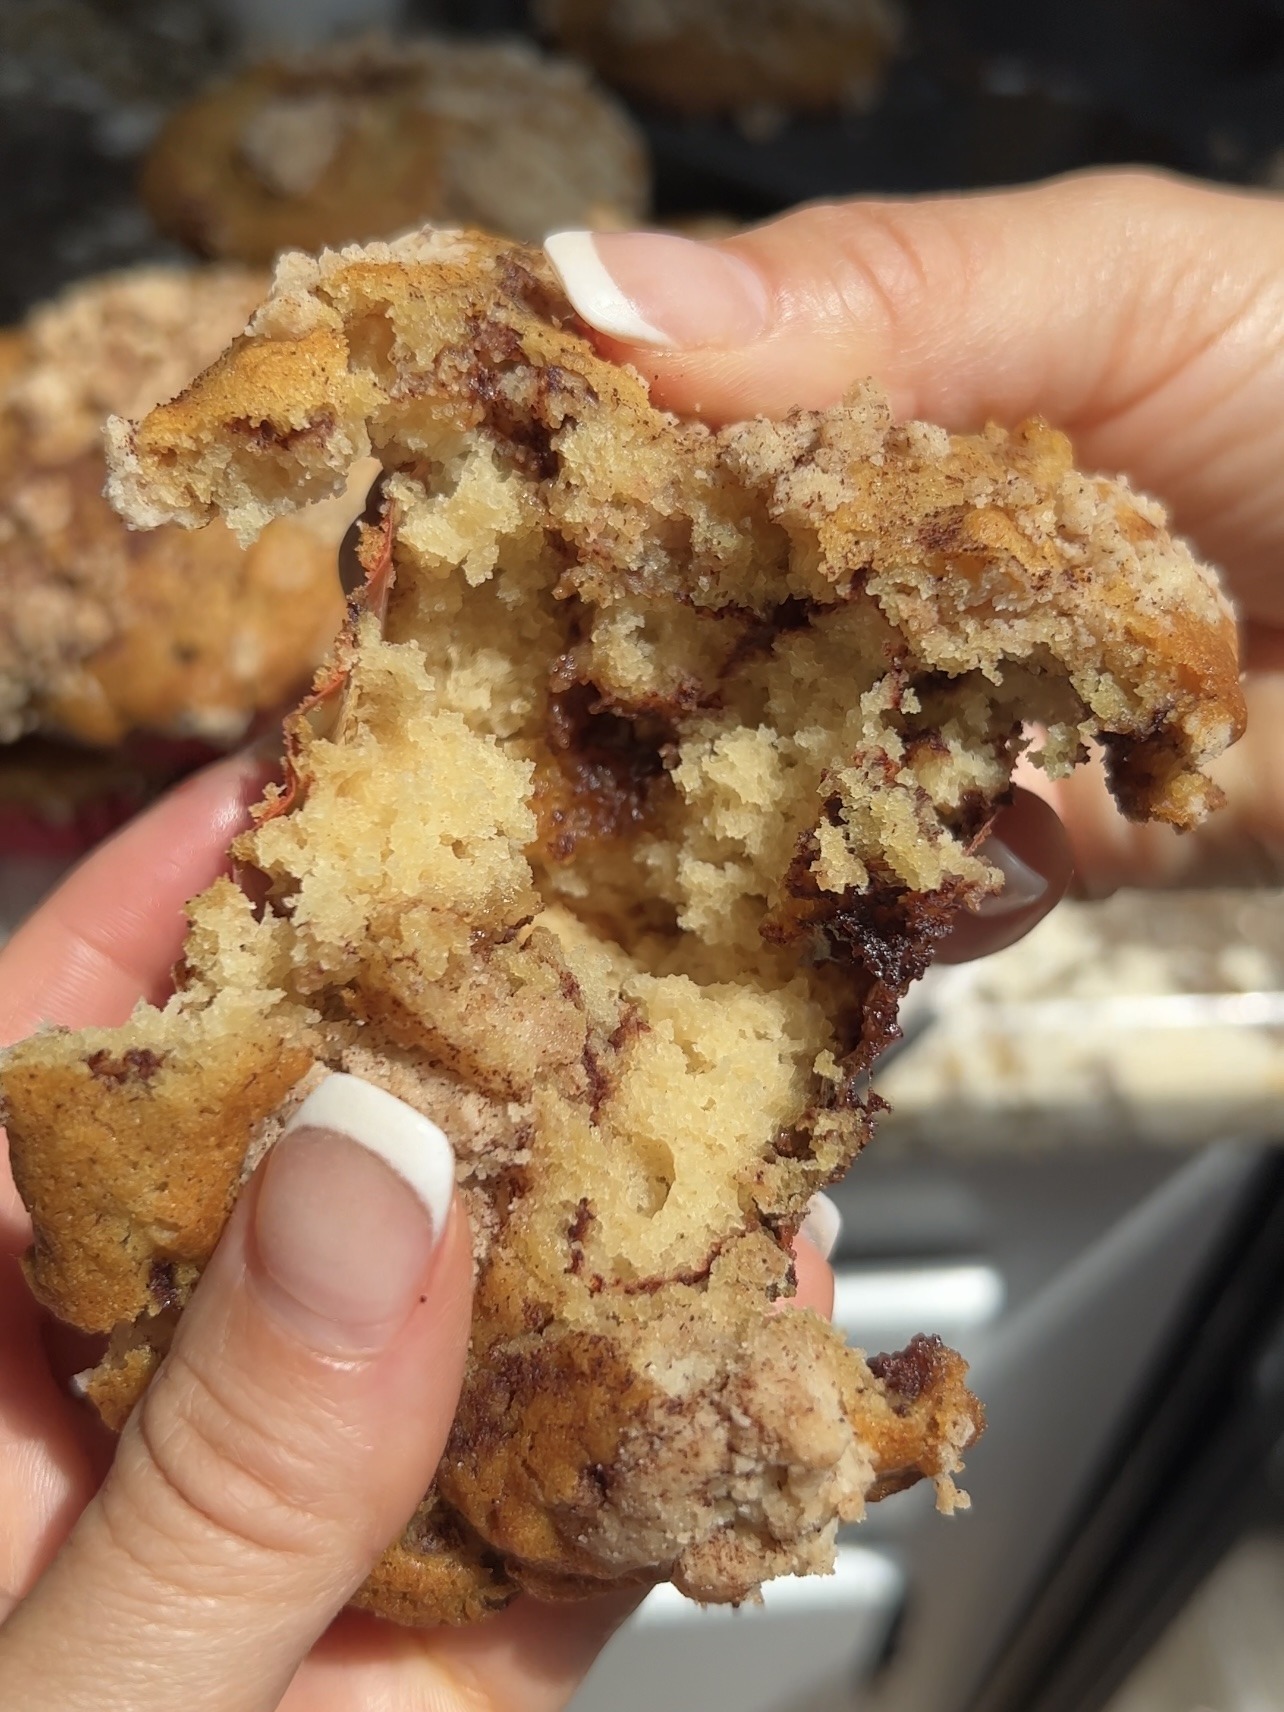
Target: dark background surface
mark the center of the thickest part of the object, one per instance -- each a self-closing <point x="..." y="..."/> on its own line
<point x="983" y="92"/>
<point x="989" y="92"/>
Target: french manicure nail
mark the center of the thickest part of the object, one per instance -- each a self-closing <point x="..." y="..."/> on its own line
<point x="352" y="1203"/>
<point x="652" y="288"/>
<point x="823" y="1225"/>
<point x="1023" y="885"/>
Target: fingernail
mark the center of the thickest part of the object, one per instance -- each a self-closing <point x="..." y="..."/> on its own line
<point x="651" y="288"/>
<point x="352" y="1203"/>
<point x="1023" y="885"/>
<point x="823" y="1225"/>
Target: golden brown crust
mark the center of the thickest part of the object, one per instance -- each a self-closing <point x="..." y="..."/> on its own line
<point x="116" y="1384"/>
<point x="973" y="546"/>
<point x="175" y="1132"/>
<point x="105" y="632"/>
<point x="370" y="138"/>
<point x="650" y="766"/>
<point x="724" y="56"/>
<point x="437" y="1567"/>
<point x="961" y="560"/>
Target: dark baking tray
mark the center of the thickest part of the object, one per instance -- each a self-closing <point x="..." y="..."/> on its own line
<point x="985" y="92"/>
<point x="989" y="92"/>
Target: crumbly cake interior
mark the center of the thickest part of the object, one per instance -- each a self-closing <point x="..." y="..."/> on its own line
<point x="105" y="632"/>
<point x="364" y="138"/>
<point x="651" y="765"/>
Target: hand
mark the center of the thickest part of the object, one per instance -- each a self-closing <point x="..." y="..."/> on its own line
<point x="261" y="1477"/>
<point x="1142" y="314"/>
<point x="296" y="1423"/>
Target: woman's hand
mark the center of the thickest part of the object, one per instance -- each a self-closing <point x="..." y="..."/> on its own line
<point x="300" y="1415"/>
<point x="1142" y="314"/>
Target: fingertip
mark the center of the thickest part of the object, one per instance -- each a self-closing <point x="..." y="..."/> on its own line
<point x="350" y="1210"/>
<point x="1030" y="847"/>
<point x="224" y="793"/>
<point x="760" y="322"/>
<point x="187" y="830"/>
<point x="661" y="291"/>
<point x="823" y="1225"/>
<point x="601" y="300"/>
<point x="815" y="1279"/>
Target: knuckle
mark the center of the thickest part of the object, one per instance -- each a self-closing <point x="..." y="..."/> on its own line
<point x="1143" y="185"/>
<point x="1122" y="214"/>
<point x="209" y="1481"/>
<point x="902" y="256"/>
<point x="90" y="942"/>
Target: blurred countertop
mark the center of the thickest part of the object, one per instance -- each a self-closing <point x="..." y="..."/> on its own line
<point x="1148" y="1018"/>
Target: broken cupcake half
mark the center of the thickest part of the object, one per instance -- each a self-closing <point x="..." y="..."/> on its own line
<point x="651" y="765"/>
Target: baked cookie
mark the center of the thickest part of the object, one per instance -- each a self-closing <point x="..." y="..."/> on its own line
<point x="650" y="767"/>
<point x="732" y="56"/>
<point x="105" y="632"/>
<point x="367" y="138"/>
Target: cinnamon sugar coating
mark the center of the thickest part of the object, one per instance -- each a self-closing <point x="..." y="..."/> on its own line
<point x="648" y="771"/>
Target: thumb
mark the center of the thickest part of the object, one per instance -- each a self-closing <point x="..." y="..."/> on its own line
<point x="287" y="1438"/>
<point x="1143" y="314"/>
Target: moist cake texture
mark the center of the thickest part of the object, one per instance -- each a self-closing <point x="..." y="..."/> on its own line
<point x="106" y="633"/>
<point x="651" y="765"/>
<point x="364" y="139"/>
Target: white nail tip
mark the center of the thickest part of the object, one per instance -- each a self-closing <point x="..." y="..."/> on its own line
<point x="822" y="1225"/>
<point x="594" y="293"/>
<point x="403" y="1138"/>
<point x="1022" y="884"/>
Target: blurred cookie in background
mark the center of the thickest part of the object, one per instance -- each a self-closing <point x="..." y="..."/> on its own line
<point x="162" y="647"/>
<point x="370" y="138"/>
<point x="750" y="58"/>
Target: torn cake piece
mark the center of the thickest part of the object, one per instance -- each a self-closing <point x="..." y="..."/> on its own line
<point x="649" y="769"/>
